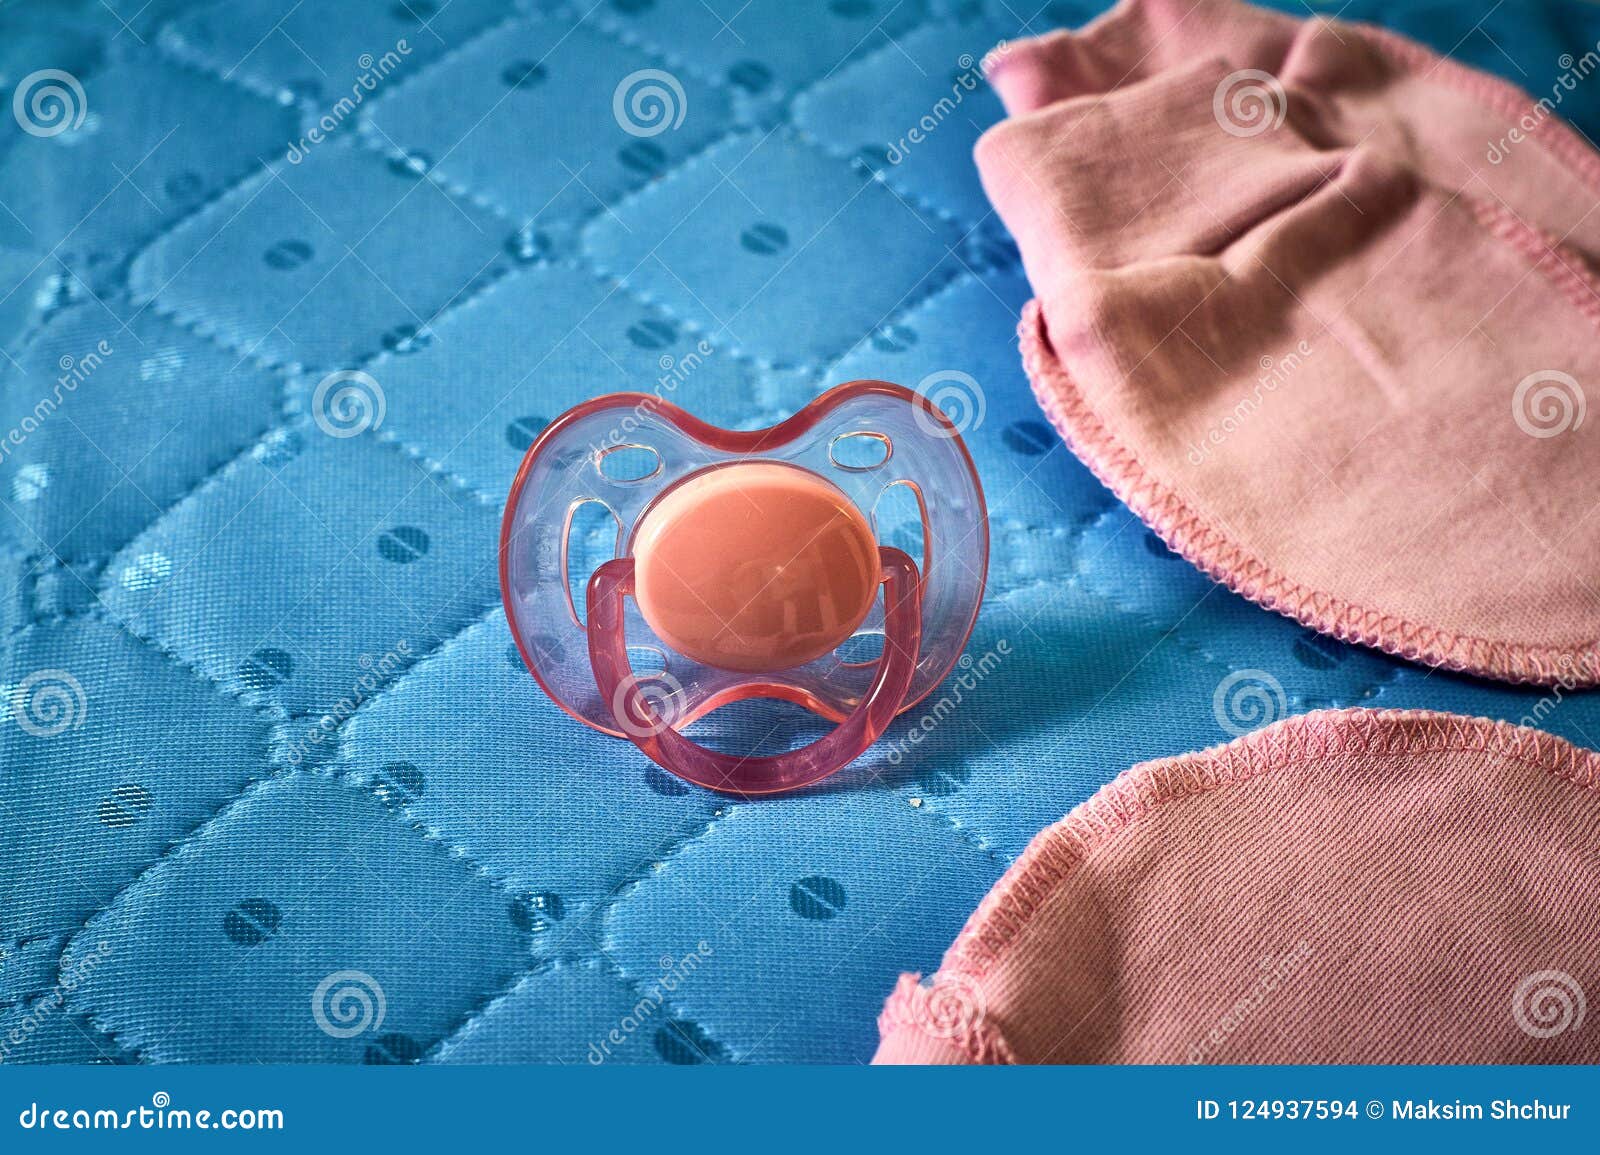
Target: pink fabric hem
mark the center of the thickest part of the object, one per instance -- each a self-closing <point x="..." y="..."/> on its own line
<point x="1131" y="796"/>
<point x="1500" y="97"/>
<point x="1225" y="560"/>
<point x="927" y="1025"/>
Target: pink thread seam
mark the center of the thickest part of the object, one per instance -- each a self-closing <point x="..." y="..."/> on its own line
<point x="1138" y="792"/>
<point x="909" y="1008"/>
<point x="1225" y="560"/>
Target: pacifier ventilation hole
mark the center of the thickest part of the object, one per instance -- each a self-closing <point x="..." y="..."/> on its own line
<point x="629" y="464"/>
<point x="750" y="608"/>
<point x="646" y="661"/>
<point x="862" y="648"/>
<point x="757" y="728"/>
<point x="900" y="519"/>
<point x="860" y="451"/>
<point x="591" y="537"/>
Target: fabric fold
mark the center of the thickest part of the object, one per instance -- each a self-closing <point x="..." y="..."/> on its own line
<point x="1285" y="320"/>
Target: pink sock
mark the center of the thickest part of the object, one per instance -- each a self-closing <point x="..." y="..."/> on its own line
<point x="1291" y="313"/>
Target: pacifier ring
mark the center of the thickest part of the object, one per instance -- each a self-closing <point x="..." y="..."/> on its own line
<point x="746" y="564"/>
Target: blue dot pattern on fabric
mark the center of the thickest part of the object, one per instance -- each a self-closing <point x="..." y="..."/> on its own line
<point x="303" y="286"/>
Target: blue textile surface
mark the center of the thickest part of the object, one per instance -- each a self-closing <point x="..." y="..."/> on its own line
<point x="273" y="783"/>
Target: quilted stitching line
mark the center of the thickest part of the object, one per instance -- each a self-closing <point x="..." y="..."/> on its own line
<point x="1224" y="560"/>
<point x="373" y="138"/>
<point x="118" y="275"/>
<point x="136" y="1038"/>
<point x="491" y="1002"/>
<point x="689" y="325"/>
<point x="600" y="963"/>
<point x="909" y="302"/>
<point x="1194" y="641"/>
<point x="169" y="42"/>
<point x="607" y="24"/>
<point x="131" y="1040"/>
<point x="263" y="710"/>
<point x="292" y="380"/>
<point x="98" y="559"/>
<point x="597" y="914"/>
<point x="904" y="191"/>
<point x="905" y="312"/>
<point x="1141" y="790"/>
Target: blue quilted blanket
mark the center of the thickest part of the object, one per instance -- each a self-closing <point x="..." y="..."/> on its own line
<point x="286" y="290"/>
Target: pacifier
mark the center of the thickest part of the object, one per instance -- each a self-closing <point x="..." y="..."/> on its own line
<point x="747" y="564"/>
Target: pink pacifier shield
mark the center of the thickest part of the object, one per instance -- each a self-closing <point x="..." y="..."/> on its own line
<point x="747" y="564"/>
